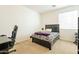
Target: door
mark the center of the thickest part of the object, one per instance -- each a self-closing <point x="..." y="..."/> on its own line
<point x="78" y="35"/>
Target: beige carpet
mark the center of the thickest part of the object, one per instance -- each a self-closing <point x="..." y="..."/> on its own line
<point x="64" y="47"/>
<point x="60" y="47"/>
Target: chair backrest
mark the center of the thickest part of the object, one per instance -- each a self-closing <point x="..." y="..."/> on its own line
<point x="14" y="32"/>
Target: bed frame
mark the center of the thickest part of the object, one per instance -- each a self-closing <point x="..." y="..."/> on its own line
<point x="55" y="28"/>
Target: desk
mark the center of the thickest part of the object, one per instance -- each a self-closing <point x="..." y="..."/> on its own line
<point x="4" y="40"/>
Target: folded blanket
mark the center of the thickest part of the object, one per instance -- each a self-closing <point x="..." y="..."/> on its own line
<point x="42" y="33"/>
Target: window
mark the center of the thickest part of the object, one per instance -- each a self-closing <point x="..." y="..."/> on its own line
<point x="68" y="20"/>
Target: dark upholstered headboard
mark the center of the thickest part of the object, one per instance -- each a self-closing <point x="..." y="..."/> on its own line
<point x="54" y="27"/>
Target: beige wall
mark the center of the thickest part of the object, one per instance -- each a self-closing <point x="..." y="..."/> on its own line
<point x="67" y="34"/>
<point x="28" y="21"/>
<point x="51" y="17"/>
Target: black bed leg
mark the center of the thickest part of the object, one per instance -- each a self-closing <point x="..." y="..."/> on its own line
<point x="49" y="48"/>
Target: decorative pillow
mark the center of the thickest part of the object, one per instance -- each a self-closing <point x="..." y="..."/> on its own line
<point x="49" y="30"/>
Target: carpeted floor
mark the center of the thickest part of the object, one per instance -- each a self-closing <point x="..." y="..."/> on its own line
<point x="60" y="47"/>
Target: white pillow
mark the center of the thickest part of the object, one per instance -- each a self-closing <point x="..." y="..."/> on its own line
<point x="49" y="30"/>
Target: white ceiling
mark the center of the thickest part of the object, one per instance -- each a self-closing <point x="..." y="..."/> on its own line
<point x="44" y="8"/>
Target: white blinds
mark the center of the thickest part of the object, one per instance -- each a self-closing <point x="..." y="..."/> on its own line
<point x="68" y="20"/>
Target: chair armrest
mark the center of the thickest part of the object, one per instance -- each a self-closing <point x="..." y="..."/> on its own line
<point x="11" y="39"/>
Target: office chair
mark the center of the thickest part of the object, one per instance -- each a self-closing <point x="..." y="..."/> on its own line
<point x="11" y="43"/>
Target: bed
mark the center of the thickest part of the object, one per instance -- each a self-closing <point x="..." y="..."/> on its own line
<point x="46" y="38"/>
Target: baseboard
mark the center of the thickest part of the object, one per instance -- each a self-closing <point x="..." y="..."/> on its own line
<point x="67" y="40"/>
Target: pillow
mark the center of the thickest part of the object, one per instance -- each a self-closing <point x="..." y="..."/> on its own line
<point x="49" y="30"/>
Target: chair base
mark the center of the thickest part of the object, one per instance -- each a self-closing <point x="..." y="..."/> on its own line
<point x="12" y="51"/>
<point x="7" y="52"/>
